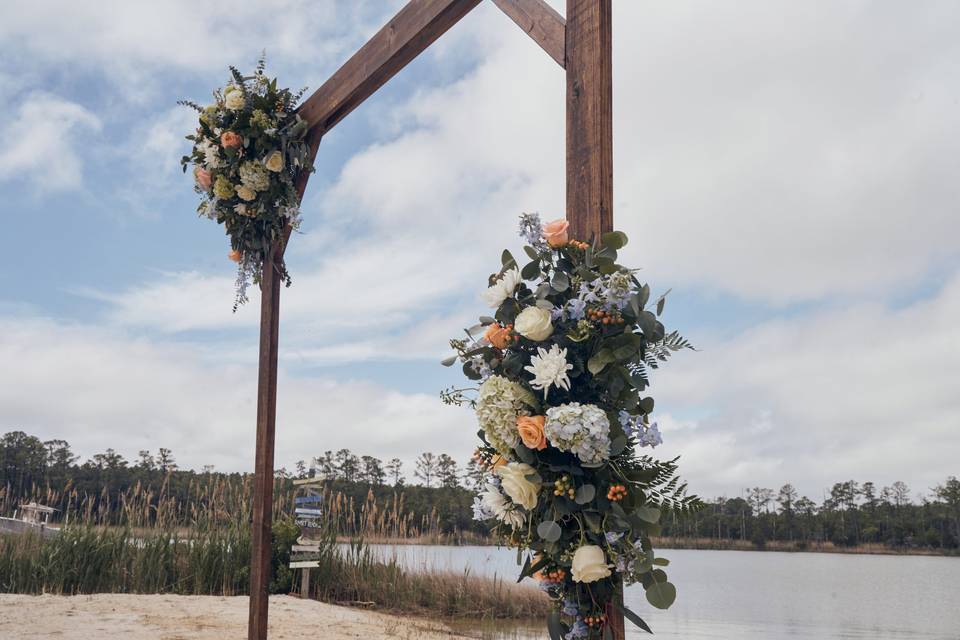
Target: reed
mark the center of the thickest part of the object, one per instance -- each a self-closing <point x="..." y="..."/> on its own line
<point x="151" y="542"/>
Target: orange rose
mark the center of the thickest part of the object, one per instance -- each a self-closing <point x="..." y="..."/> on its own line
<point x="235" y="255"/>
<point x="204" y="179"/>
<point x="531" y="432"/>
<point x="555" y="233"/>
<point x="230" y="140"/>
<point x="497" y="335"/>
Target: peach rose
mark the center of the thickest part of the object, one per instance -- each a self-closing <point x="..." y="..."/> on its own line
<point x="235" y="255"/>
<point x="231" y="140"/>
<point x="204" y="179"/>
<point x="531" y="432"/>
<point x="555" y="233"/>
<point x="497" y="335"/>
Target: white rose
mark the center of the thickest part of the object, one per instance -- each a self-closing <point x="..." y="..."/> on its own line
<point x="246" y="193"/>
<point x="589" y="564"/>
<point x="233" y="98"/>
<point x="513" y="479"/>
<point x="274" y="161"/>
<point x="502" y="288"/>
<point x="534" y="323"/>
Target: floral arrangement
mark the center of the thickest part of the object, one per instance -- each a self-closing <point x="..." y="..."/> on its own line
<point x="562" y="365"/>
<point x="248" y="150"/>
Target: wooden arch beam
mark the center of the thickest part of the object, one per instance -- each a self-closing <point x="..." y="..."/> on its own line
<point x="541" y="22"/>
<point x="413" y="29"/>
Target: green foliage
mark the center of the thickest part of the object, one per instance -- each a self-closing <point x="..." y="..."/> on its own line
<point x="595" y="348"/>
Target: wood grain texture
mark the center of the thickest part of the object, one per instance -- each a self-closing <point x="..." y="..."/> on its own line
<point x="270" y="284"/>
<point x="541" y="22"/>
<point x="407" y="34"/>
<point x="589" y="117"/>
<point x="262" y="517"/>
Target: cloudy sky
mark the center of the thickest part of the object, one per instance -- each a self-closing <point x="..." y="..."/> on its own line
<point x="788" y="169"/>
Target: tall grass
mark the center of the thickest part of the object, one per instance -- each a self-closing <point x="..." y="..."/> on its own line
<point x="152" y="543"/>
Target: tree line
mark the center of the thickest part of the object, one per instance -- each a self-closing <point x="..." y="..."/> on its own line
<point x="851" y="514"/>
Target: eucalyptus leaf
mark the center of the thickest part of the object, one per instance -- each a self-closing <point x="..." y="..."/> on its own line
<point x="617" y="445"/>
<point x="549" y="530"/>
<point x="661" y="594"/>
<point x="616" y="240"/>
<point x="448" y="362"/>
<point x="560" y="282"/>
<point x="585" y="494"/>
<point x="648" y="514"/>
<point x="506" y="259"/>
<point x="530" y="270"/>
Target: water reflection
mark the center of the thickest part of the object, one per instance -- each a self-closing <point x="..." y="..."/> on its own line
<point x="768" y="595"/>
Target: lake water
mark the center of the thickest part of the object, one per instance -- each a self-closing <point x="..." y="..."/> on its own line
<point x="762" y="595"/>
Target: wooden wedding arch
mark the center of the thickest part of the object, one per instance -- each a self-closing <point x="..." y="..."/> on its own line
<point x="581" y="44"/>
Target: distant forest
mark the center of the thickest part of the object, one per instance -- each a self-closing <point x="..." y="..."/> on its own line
<point x="439" y="498"/>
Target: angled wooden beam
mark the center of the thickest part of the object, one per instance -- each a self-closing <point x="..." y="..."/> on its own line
<point x="541" y="22"/>
<point x="401" y="40"/>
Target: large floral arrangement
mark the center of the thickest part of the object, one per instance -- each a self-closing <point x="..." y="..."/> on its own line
<point x="248" y="150"/>
<point x="562" y="365"/>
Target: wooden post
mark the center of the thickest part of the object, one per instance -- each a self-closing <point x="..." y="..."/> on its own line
<point x="589" y="65"/>
<point x="261" y="538"/>
<point x="261" y="542"/>
<point x="589" y="57"/>
<point x="305" y="584"/>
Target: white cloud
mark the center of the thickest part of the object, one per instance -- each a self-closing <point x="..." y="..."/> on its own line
<point x="100" y="388"/>
<point x="127" y="40"/>
<point x="865" y="392"/>
<point x="40" y="142"/>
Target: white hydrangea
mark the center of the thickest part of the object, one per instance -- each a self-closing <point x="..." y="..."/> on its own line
<point x="499" y="403"/>
<point x="254" y="176"/>
<point x="582" y="429"/>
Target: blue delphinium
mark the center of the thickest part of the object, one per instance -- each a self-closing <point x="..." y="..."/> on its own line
<point x="578" y="630"/>
<point x="531" y="230"/>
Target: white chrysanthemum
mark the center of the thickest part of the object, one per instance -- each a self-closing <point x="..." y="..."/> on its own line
<point x="254" y="176"/>
<point x="493" y="501"/>
<point x="549" y="368"/>
<point x="211" y="153"/>
<point x="499" y="403"/>
<point x="502" y="288"/>
<point x="582" y="429"/>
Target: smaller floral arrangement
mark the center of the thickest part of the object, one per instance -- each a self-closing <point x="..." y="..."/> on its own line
<point x="248" y="150"/>
<point x="562" y="364"/>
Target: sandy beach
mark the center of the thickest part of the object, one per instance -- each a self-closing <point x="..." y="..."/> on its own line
<point x="169" y="617"/>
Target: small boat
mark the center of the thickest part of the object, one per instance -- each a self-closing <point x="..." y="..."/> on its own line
<point x="31" y="517"/>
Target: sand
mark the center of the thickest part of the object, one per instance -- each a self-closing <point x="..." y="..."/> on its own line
<point x="167" y="617"/>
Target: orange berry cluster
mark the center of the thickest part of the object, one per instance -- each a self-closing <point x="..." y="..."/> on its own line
<point x="616" y="492"/>
<point x="604" y="317"/>
<point x="557" y="575"/>
<point x="514" y="336"/>
<point x="564" y="486"/>
<point x="576" y="244"/>
<point x="595" y="621"/>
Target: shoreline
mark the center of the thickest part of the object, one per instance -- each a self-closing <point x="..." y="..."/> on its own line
<point x="695" y="544"/>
